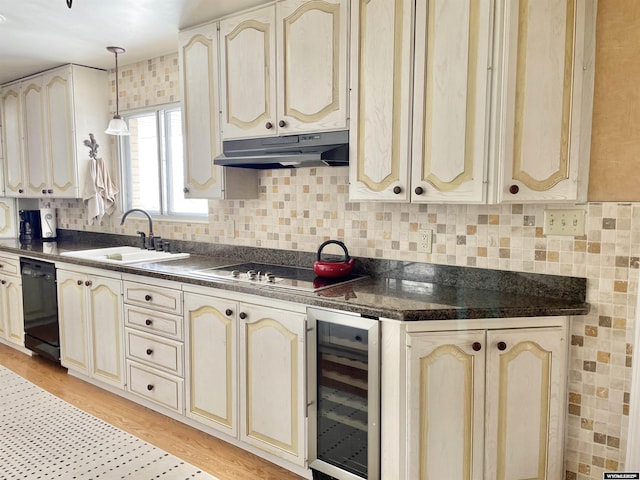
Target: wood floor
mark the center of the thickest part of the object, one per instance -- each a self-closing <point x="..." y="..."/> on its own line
<point x="224" y="461"/>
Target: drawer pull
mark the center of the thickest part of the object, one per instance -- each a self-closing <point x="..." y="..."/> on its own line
<point x="149" y="351"/>
<point x="228" y="312"/>
<point x="242" y="315"/>
<point x="477" y="346"/>
<point x="502" y="346"/>
<point x="149" y="387"/>
<point x="148" y="322"/>
<point x="147" y="298"/>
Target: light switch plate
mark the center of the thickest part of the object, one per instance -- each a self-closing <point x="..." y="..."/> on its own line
<point x="230" y="229"/>
<point x="425" y="238"/>
<point x="564" y="222"/>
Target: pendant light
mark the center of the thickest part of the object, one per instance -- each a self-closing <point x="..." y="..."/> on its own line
<point x="117" y="126"/>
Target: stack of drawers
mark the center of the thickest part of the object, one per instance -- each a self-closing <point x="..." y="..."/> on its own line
<point x="154" y="340"/>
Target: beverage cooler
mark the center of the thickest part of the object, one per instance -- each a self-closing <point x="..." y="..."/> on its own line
<point x="343" y="396"/>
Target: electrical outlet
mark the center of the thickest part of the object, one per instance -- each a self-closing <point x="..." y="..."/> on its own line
<point x="564" y="222"/>
<point x="425" y="237"/>
<point x="230" y="229"/>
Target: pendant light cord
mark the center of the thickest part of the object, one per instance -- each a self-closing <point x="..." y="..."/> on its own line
<point x="117" y="90"/>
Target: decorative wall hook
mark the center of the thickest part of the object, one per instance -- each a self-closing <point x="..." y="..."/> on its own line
<point x="93" y="146"/>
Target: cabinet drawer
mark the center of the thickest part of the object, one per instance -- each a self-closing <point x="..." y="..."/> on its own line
<point x="10" y="266"/>
<point x="158" y="298"/>
<point x="155" y="351"/>
<point x="154" y="322"/>
<point x="153" y="385"/>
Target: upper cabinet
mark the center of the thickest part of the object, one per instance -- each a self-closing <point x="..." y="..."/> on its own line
<point x="494" y="98"/>
<point x="543" y="90"/>
<point x="199" y="69"/>
<point x="284" y="69"/>
<point x="46" y="119"/>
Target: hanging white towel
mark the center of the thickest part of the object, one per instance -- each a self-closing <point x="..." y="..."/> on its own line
<point x="99" y="193"/>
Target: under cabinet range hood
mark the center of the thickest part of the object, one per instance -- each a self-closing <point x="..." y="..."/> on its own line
<point x="289" y="151"/>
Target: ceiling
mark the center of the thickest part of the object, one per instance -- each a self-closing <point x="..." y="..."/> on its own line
<point x="36" y="35"/>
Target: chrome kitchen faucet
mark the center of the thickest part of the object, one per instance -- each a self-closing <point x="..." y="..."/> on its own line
<point x="149" y="243"/>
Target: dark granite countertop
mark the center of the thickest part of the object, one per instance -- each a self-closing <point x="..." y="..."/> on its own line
<point x="407" y="291"/>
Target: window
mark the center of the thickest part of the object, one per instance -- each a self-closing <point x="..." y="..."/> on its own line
<point x="152" y="164"/>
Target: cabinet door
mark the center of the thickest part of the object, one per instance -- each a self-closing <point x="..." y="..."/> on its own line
<point x="59" y="135"/>
<point x="105" y="318"/>
<point x="525" y="392"/>
<point x="248" y="80"/>
<point x="446" y="405"/>
<point x="34" y="137"/>
<point x="312" y="57"/>
<point x="8" y="218"/>
<point x="212" y="335"/>
<point x="272" y="381"/>
<point x="200" y="112"/>
<point x="544" y="97"/>
<point x="12" y="308"/>
<point x="72" y="311"/>
<point x="451" y="96"/>
<point x="381" y="59"/>
<point x="12" y="140"/>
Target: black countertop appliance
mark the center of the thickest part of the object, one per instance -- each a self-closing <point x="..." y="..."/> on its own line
<point x="30" y="226"/>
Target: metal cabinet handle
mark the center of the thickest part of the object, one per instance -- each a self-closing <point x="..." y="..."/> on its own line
<point x="477" y="346"/>
<point x="397" y="190"/>
<point x="21" y="190"/>
<point x="3" y="282"/>
<point x="148" y="322"/>
<point x="79" y="282"/>
<point x="242" y="315"/>
<point x="44" y="191"/>
<point x="149" y="387"/>
<point x="502" y="346"/>
<point x="147" y="298"/>
<point x="228" y="312"/>
<point x="268" y="125"/>
<point x="88" y="283"/>
<point x="282" y="123"/>
<point x="185" y="190"/>
<point x="149" y="351"/>
<point x="50" y="191"/>
<point x="419" y="190"/>
<point x="513" y="189"/>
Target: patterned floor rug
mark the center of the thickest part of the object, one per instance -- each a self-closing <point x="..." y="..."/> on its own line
<point x="43" y="437"/>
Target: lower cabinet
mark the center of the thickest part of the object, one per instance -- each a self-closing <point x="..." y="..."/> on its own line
<point x="255" y="352"/>
<point x="91" y="324"/>
<point x="11" y="318"/>
<point x="154" y="341"/>
<point x="486" y="403"/>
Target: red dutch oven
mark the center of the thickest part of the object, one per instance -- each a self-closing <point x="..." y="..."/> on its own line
<point x="333" y="268"/>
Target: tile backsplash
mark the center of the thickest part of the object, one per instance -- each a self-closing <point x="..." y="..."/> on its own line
<point x="298" y="209"/>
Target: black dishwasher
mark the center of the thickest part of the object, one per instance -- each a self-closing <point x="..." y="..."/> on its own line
<point x="40" y="308"/>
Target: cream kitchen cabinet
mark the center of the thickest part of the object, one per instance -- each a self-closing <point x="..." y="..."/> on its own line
<point x="272" y="380"/>
<point x="46" y="127"/>
<point x="284" y="69"/>
<point x="91" y="323"/>
<point x="11" y="318"/>
<point x="155" y="363"/>
<point x="8" y="218"/>
<point x="500" y="102"/>
<point x="543" y="94"/>
<point x="13" y="164"/>
<point x="198" y="56"/>
<point x="212" y="361"/>
<point x="445" y="158"/>
<point x="486" y="404"/>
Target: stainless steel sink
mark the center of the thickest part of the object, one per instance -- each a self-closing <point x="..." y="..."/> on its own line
<point x="124" y="255"/>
